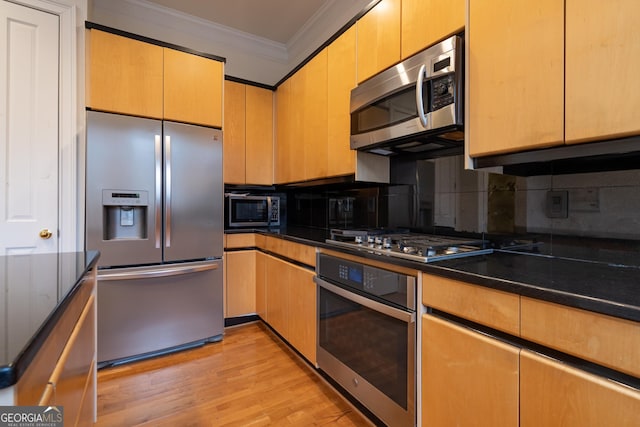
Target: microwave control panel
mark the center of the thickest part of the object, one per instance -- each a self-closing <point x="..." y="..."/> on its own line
<point x="442" y="92"/>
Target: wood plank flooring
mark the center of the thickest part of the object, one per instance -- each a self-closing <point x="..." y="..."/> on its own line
<point x="250" y="378"/>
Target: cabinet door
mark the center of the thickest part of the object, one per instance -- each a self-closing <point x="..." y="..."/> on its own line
<point x="444" y="17"/>
<point x="378" y="38"/>
<point x="124" y="75"/>
<point x="259" y="136"/>
<point x="277" y="295"/>
<point x="467" y="378"/>
<point x="552" y="393"/>
<point x="315" y="117"/>
<point x="233" y="143"/>
<point x="192" y="89"/>
<point x="341" y="78"/>
<point x="283" y="133"/>
<point x="302" y="311"/>
<point x="516" y="75"/>
<point x="261" y="285"/>
<point x="602" y="68"/>
<point x="240" y="283"/>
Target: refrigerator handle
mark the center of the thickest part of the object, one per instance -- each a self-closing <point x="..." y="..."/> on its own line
<point x="158" y="272"/>
<point x="158" y="207"/>
<point x="167" y="189"/>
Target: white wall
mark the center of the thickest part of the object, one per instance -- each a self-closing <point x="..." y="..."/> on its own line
<point x="248" y="57"/>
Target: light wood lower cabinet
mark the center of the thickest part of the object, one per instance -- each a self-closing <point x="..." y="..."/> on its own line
<point x="554" y="394"/>
<point x="62" y="373"/>
<point x="467" y="378"/>
<point x="290" y="303"/>
<point x="240" y="283"/>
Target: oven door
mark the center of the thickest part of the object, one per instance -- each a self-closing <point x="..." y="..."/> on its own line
<point x="369" y="349"/>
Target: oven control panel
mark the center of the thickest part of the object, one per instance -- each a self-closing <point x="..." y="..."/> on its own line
<point x="384" y="284"/>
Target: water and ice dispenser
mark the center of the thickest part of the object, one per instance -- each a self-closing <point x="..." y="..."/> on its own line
<point x="124" y="214"/>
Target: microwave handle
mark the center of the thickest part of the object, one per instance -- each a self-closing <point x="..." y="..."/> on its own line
<point x="269" y="204"/>
<point x="419" y="100"/>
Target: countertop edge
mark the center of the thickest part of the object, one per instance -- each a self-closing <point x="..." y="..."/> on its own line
<point x="585" y="302"/>
<point x="10" y="374"/>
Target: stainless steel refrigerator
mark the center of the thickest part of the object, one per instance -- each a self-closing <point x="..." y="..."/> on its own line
<point x="154" y="210"/>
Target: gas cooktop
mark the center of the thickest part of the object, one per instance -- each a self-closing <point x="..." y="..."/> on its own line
<point x="406" y="245"/>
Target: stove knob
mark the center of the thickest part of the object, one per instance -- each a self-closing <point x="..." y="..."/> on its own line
<point x="386" y="243"/>
<point x="431" y="252"/>
<point x="358" y="239"/>
<point x="452" y="250"/>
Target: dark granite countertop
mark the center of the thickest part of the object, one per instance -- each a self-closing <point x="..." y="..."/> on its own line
<point x="601" y="287"/>
<point x="29" y="313"/>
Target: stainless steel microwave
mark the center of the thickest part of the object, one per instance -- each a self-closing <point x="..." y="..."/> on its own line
<point x="252" y="211"/>
<point x="415" y="107"/>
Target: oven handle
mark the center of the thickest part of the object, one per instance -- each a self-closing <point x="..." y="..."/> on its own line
<point x="366" y="302"/>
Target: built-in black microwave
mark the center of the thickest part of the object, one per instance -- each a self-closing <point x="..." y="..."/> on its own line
<point x="252" y="211"/>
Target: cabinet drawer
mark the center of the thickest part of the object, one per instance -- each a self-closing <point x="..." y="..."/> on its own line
<point x="295" y="251"/>
<point x="605" y="340"/>
<point x="489" y="307"/>
<point x="241" y="240"/>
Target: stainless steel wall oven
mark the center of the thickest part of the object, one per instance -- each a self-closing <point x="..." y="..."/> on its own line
<point x="367" y="335"/>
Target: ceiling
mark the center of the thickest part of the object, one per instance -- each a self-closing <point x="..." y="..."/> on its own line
<point x="276" y="20"/>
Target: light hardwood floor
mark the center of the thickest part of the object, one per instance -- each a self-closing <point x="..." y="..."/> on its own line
<point x="249" y="379"/>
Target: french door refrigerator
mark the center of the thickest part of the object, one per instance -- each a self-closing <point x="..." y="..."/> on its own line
<point x="154" y="210"/>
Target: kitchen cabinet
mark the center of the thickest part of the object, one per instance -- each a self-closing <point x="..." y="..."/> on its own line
<point x="240" y="283"/>
<point x="341" y="79"/>
<point x="602" y="67"/>
<point x="378" y="39"/>
<point x="287" y="294"/>
<point x="444" y="17"/>
<point x="62" y="372"/>
<point x="289" y="149"/>
<point x="552" y="393"/>
<point x="248" y="139"/>
<point x="315" y="109"/>
<point x="132" y="77"/>
<point x="469" y="375"/>
<point x="467" y="378"/>
<point x="516" y="75"/>
<point x="605" y="340"/>
<point x="538" y="79"/>
<point x="496" y="309"/>
<point x="124" y="75"/>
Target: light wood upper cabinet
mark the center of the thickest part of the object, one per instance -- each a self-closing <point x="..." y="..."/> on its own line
<point x="378" y="38"/>
<point x="553" y="393"/>
<point x="314" y="131"/>
<point x="341" y="79"/>
<point x="248" y="134"/>
<point x="132" y="77"/>
<point x="467" y="378"/>
<point x="284" y="128"/>
<point x="233" y="167"/>
<point x="602" y="68"/>
<point x="192" y="88"/>
<point x="124" y="75"/>
<point x="259" y="136"/>
<point x="444" y="17"/>
<point x="516" y="75"/>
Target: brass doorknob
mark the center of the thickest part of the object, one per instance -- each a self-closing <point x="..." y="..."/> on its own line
<point x="45" y="233"/>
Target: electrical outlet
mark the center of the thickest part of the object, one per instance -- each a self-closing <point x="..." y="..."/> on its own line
<point x="557" y="204"/>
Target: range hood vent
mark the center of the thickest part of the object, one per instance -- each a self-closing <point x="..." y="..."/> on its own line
<point x="447" y="141"/>
<point x="619" y="154"/>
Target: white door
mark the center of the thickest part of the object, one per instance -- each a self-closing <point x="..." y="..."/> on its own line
<point x="29" y="133"/>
